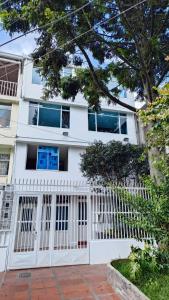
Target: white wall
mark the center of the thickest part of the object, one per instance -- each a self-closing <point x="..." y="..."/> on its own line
<point x="106" y="250"/>
<point x="79" y="137"/>
<point x="35" y="91"/>
<point x="78" y="131"/>
<point x="73" y="172"/>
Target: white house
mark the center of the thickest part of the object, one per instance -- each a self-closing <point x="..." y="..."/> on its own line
<point x="51" y="135"/>
<point x="48" y="216"/>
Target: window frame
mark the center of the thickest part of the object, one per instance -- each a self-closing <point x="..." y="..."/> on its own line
<point x="7" y="107"/>
<point x="61" y="109"/>
<point x="5" y="160"/>
<point x="119" y="115"/>
<point x="34" y="68"/>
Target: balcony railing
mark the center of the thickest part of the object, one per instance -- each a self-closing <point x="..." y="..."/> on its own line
<point x="8" y="88"/>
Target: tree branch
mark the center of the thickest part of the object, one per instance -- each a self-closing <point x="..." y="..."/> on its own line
<point x="99" y="84"/>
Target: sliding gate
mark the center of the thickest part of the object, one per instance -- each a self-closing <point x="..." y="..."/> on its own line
<point x="51" y="229"/>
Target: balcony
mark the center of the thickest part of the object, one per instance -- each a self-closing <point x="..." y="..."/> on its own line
<point x="8" y="88"/>
<point x="9" y="73"/>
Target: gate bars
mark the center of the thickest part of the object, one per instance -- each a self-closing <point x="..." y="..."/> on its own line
<point x="71" y="204"/>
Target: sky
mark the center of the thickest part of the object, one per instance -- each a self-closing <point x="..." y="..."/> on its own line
<point x="22" y="46"/>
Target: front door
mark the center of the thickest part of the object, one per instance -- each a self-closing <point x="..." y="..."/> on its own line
<point x="25" y="241"/>
<point x="50" y="230"/>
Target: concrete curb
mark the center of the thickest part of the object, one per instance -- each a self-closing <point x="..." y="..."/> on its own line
<point x="123" y="286"/>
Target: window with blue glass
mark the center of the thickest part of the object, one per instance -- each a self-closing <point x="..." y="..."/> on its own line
<point x="106" y="121"/>
<point x="123" y="93"/>
<point x="50" y="115"/>
<point x="48" y="158"/>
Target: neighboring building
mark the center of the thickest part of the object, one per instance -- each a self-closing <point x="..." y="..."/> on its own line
<point x="52" y="135"/>
<point x="10" y="88"/>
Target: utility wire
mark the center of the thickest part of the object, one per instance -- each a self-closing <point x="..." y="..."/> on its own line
<point x="48" y="131"/>
<point x="46" y="25"/>
<point x="84" y="33"/>
<point x="4" y="2"/>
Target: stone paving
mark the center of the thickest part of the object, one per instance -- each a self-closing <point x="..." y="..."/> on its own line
<point x="83" y="282"/>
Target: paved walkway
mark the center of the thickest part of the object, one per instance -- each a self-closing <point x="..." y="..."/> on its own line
<point x="58" y="283"/>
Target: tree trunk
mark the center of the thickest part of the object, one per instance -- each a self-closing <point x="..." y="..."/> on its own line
<point x="153" y="152"/>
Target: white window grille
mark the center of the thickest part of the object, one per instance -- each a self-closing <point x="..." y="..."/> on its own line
<point x="4" y="164"/>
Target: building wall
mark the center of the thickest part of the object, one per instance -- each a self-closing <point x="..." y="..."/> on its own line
<point x="78" y="131"/>
<point x="79" y="137"/>
<point x="8" y="138"/>
<point x="10" y="132"/>
<point x="35" y="91"/>
<point x="7" y="150"/>
<point x="73" y="172"/>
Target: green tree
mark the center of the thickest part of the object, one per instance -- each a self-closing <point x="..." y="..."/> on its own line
<point x="157" y="113"/>
<point x="113" y="161"/>
<point x="153" y="214"/>
<point x="125" y="38"/>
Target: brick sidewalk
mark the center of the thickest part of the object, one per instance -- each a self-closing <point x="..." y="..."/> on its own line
<point x="58" y="283"/>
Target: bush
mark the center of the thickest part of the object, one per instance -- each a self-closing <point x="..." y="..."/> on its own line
<point x="146" y="261"/>
<point x="113" y="161"/>
<point x="142" y="262"/>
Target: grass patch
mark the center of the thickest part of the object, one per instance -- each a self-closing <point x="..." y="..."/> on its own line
<point x="154" y="285"/>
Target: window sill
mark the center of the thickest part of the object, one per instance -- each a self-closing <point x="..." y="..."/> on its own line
<point x="108" y="132"/>
<point x="42" y="126"/>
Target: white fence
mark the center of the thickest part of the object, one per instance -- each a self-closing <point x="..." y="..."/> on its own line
<point x="8" y="88"/>
<point x="66" y="219"/>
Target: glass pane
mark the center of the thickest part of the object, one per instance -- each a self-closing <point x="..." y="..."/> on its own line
<point x="91" y="122"/>
<point x="49" y="117"/>
<point x="48" y="158"/>
<point x="4" y="156"/>
<point x="4" y="165"/>
<point x="123" y="93"/>
<point x="42" y="160"/>
<point x="50" y="106"/>
<point x="66" y="108"/>
<point x="107" y="123"/>
<point x="33" y="114"/>
<point x="53" y="158"/>
<point x="110" y="113"/>
<point x="5" y="115"/>
<point x="36" y="78"/>
<point x="65" y="119"/>
<point x="123" y="125"/>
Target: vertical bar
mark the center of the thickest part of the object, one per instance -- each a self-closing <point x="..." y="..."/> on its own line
<point x="89" y="219"/>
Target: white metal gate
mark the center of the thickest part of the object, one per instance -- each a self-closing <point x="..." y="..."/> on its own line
<point x="50" y="229"/>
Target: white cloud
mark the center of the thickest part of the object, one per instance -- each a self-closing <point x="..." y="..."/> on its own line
<point x="22" y="46"/>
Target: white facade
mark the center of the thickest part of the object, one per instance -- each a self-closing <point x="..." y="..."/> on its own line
<point x="74" y="139"/>
<point x="49" y="217"/>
